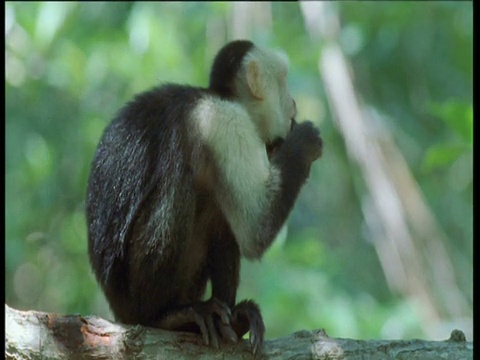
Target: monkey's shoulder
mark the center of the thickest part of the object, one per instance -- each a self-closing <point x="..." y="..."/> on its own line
<point x="167" y="99"/>
<point x="180" y="101"/>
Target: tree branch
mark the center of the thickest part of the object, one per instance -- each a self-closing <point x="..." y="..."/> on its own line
<point x="40" y="335"/>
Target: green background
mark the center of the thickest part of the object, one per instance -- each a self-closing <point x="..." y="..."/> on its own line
<point x="70" y="66"/>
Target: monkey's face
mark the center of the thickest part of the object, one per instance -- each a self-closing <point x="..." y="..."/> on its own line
<point x="261" y="86"/>
<point x="280" y="102"/>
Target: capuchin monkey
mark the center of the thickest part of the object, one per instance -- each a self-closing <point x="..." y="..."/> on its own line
<point x="185" y="180"/>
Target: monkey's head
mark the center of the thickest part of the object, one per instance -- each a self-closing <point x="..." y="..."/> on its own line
<point x="257" y="78"/>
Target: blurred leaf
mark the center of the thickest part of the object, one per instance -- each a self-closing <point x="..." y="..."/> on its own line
<point x="441" y="156"/>
<point x="457" y="115"/>
<point x="306" y="250"/>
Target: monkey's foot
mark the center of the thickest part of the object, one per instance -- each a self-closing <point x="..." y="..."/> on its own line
<point x="246" y="317"/>
<point x="211" y="318"/>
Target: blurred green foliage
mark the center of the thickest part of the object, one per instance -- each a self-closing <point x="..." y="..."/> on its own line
<point x="70" y="66"/>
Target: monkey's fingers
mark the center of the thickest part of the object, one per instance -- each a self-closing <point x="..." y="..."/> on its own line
<point x="221" y="309"/>
<point x="213" y="316"/>
<point x="224" y="313"/>
<point x="212" y="331"/>
<point x="227" y="332"/>
<point x="200" y="321"/>
<point x="307" y="136"/>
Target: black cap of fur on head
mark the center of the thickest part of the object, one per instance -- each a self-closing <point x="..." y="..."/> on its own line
<point x="226" y="66"/>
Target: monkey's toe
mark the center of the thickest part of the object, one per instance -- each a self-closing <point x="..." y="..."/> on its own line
<point x="213" y="317"/>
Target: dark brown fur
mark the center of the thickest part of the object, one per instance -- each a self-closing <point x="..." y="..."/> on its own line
<point x="156" y="233"/>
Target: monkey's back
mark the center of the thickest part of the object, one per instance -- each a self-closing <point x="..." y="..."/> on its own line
<point x="141" y="204"/>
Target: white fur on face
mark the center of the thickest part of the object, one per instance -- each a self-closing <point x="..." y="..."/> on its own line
<point x="247" y="179"/>
<point x="272" y="115"/>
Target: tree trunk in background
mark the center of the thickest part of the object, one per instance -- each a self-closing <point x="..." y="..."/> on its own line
<point x="409" y="243"/>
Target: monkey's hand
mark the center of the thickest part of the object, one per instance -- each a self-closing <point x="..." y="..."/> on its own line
<point x="246" y="317"/>
<point x="302" y="146"/>
<point x="306" y="138"/>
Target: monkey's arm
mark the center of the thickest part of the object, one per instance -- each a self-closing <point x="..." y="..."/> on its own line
<point x="224" y="265"/>
<point x="255" y="194"/>
<point x="293" y="159"/>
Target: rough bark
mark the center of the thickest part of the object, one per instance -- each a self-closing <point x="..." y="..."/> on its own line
<point x="40" y="335"/>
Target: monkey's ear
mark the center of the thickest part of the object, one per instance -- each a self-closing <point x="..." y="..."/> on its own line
<point x="254" y="80"/>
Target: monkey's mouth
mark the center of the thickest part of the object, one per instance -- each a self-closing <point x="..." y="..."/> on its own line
<point x="275" y="144"/>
